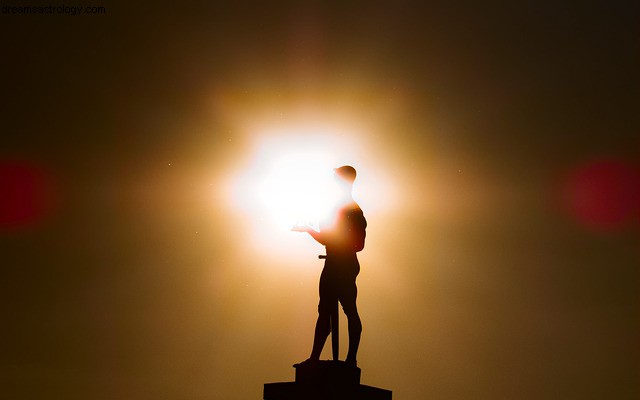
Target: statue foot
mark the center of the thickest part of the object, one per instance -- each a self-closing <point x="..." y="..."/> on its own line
<point x="308" y="361"/>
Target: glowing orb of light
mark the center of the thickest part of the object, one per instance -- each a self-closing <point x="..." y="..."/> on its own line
<point x="297" y="189"/>
<point x="290" y="181"/>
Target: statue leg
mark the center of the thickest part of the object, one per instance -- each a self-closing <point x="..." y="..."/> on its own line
<point x="328" y="305"/>
<point x="355" y="331"/>
<point x="348" y="300"/>
<point x="335" y="331"/>
<point x="323" y="327"/>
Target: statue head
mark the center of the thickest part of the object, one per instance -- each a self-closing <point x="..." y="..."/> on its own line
<point x="345" y="176"/>
<point x="346" y="173"/>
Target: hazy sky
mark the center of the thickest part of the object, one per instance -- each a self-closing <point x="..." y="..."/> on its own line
<point x="497" y="148"/>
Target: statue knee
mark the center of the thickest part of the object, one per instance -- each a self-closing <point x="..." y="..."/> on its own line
<point x="352" y="314"/>
<point x="325" y="310"/>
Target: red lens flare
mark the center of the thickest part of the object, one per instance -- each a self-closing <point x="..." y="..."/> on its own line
<point x="25" y="195"/>
<point x="603" y="195"/>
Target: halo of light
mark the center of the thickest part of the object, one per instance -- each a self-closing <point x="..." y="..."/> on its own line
<point x="290" y="181"/>
<point x="287" y="178"/>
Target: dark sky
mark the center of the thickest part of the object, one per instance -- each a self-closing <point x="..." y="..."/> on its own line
<point x="507" y="267"/>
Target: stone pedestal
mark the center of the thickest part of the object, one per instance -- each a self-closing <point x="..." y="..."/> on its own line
<point x="324" y="380"/>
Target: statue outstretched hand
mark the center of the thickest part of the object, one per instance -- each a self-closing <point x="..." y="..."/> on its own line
<point x="306" y="227"/>
<point x="301" y="228"/>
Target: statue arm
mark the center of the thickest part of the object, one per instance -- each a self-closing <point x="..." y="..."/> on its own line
<point x="318" y="236"/>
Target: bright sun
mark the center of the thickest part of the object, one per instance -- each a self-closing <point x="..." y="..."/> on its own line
<point x="290" y="181"/>
<point x="297" y="188"/>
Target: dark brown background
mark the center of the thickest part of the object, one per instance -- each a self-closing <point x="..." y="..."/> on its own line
<point x="477" y="284"/>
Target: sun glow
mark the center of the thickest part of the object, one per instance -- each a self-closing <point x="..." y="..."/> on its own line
<point x="290" y="181"/>
<point x="297" y="189"/>
<point x="287" y="179"/>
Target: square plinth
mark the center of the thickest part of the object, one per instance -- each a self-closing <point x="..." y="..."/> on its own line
<point x="327" y="373"/>
<point x="325" y="380"/>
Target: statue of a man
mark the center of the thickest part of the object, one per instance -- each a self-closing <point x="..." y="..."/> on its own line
<point x="342" y="237"/>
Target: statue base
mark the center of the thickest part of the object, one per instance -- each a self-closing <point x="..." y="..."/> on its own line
<point x="324" y="380"/>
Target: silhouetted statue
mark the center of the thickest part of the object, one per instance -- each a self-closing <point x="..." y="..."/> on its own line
<point x="342" y="237"/>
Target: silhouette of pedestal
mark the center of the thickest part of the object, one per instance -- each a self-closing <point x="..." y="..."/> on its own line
<point x="325" y="380"/>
